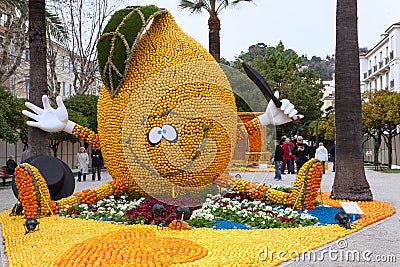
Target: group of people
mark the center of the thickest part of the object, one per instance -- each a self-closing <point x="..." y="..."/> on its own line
<point x="82" y="164"/>
<point x="297" y="152"/>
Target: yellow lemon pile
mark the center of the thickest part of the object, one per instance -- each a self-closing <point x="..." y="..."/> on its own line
<point x="304" y="192"/>
<point x="77" y="242"/>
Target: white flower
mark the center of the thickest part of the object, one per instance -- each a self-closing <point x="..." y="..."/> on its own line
<point x="209" y="217"/>
<point x="257" y="202"/>
<point x="261" y="213"/>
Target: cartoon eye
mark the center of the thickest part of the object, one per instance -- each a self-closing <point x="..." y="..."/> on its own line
<point x="169" y="133"/>
<point x="155" y="135"/>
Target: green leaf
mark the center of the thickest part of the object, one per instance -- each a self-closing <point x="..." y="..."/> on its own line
<point x="118" y="40"/>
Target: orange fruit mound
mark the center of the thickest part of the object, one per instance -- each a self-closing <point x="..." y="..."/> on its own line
<point x="131" y="247"/>
<point x="374" y="211"/>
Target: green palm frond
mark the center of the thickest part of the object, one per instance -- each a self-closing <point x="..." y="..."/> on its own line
<point x="53" y="22"/>
<point x="212" y="6"/>
<point x="194" y="7"/>
<point x="236" y="3"/>
<point x="55" y="27"/>
<point x="21" y="5"/>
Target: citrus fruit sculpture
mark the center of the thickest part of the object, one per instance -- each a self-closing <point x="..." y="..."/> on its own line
<point x="166" y="118"/>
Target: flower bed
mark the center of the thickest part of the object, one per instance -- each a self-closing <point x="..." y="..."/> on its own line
<point x="233" y="207"/>
<point x="252" y="213"/>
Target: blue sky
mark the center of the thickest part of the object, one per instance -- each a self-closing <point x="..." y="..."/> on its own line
<point x="306" y="26"/>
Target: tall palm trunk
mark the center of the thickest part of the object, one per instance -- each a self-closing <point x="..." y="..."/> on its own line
<point x="38" y="140"/>
<point x="214" y="27"/>
<point x="350" y="181"/>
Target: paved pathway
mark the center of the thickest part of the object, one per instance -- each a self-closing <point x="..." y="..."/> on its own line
<point x="381" y="240"/>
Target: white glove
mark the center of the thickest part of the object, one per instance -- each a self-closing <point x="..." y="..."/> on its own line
<point x="277" y="116"/>
<point x="49" y="119"/>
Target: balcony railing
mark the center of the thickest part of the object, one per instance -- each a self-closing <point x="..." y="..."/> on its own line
<point x="380" y="64"/>
<point x="386" y="60"/>
<point x="375" y="68"/>
<point x="391" y="84"/>
<point x="391" y="55"/>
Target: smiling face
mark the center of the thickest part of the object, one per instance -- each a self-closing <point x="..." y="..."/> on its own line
<point x="173" y="121"/>
<point x="184" y="132"/>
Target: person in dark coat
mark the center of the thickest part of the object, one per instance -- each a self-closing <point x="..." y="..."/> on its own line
<point x="11" y="164"/>
<point x="278" y="158"/>
<point x="97" y="163"/>
<point x="302" y="152"/>
<point x="332" y="152"/>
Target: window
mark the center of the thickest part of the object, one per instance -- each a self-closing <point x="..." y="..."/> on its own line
<point x="70" y="66"/>
<point x="392" y="43"/>
<point x="70" y="89"/>
<point x="63" y="88"/>
<point x="63" y="62"/>
<point x="3" y="19"/>
<point x="387" y="80"/>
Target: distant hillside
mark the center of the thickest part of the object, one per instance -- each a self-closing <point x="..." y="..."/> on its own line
<point x="325" y="67"/>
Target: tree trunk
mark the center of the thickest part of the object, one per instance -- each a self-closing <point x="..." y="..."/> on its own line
<point x="388" y="141"/>
<point x="54" y="144"/>
<point x="350" y="181"/>
<point x="38" y="140"/>
<point x="214" y="27"/>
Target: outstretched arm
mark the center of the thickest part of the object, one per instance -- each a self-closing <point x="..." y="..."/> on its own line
<point x="49" y="119"/>
<point x="278" y="116"/>
<point x="273" y="115"/>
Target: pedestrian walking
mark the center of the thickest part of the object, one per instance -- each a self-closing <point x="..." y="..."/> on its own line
<point x="82" y="163"/>
<point x="278" y="158"/>
<point x="321" y="153"/>
<point x="97" y="163"/>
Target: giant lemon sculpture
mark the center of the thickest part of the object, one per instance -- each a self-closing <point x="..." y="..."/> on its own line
<point x="166" y="116"/>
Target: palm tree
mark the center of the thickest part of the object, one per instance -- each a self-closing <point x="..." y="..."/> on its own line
<point x="350" y="181"/>
<point x="38" y="140"/>
<point x="213" y="7"/>
<point x="54" y="25"/>
<point x="40" y="20"/>
<point x="18" y="4"/>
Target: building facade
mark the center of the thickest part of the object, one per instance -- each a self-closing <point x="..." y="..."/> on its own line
<point x="328" y="97"/>
<point x="380" y="70"/>
<point x="61" y="79"/>
<point x="380" y="66"/>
